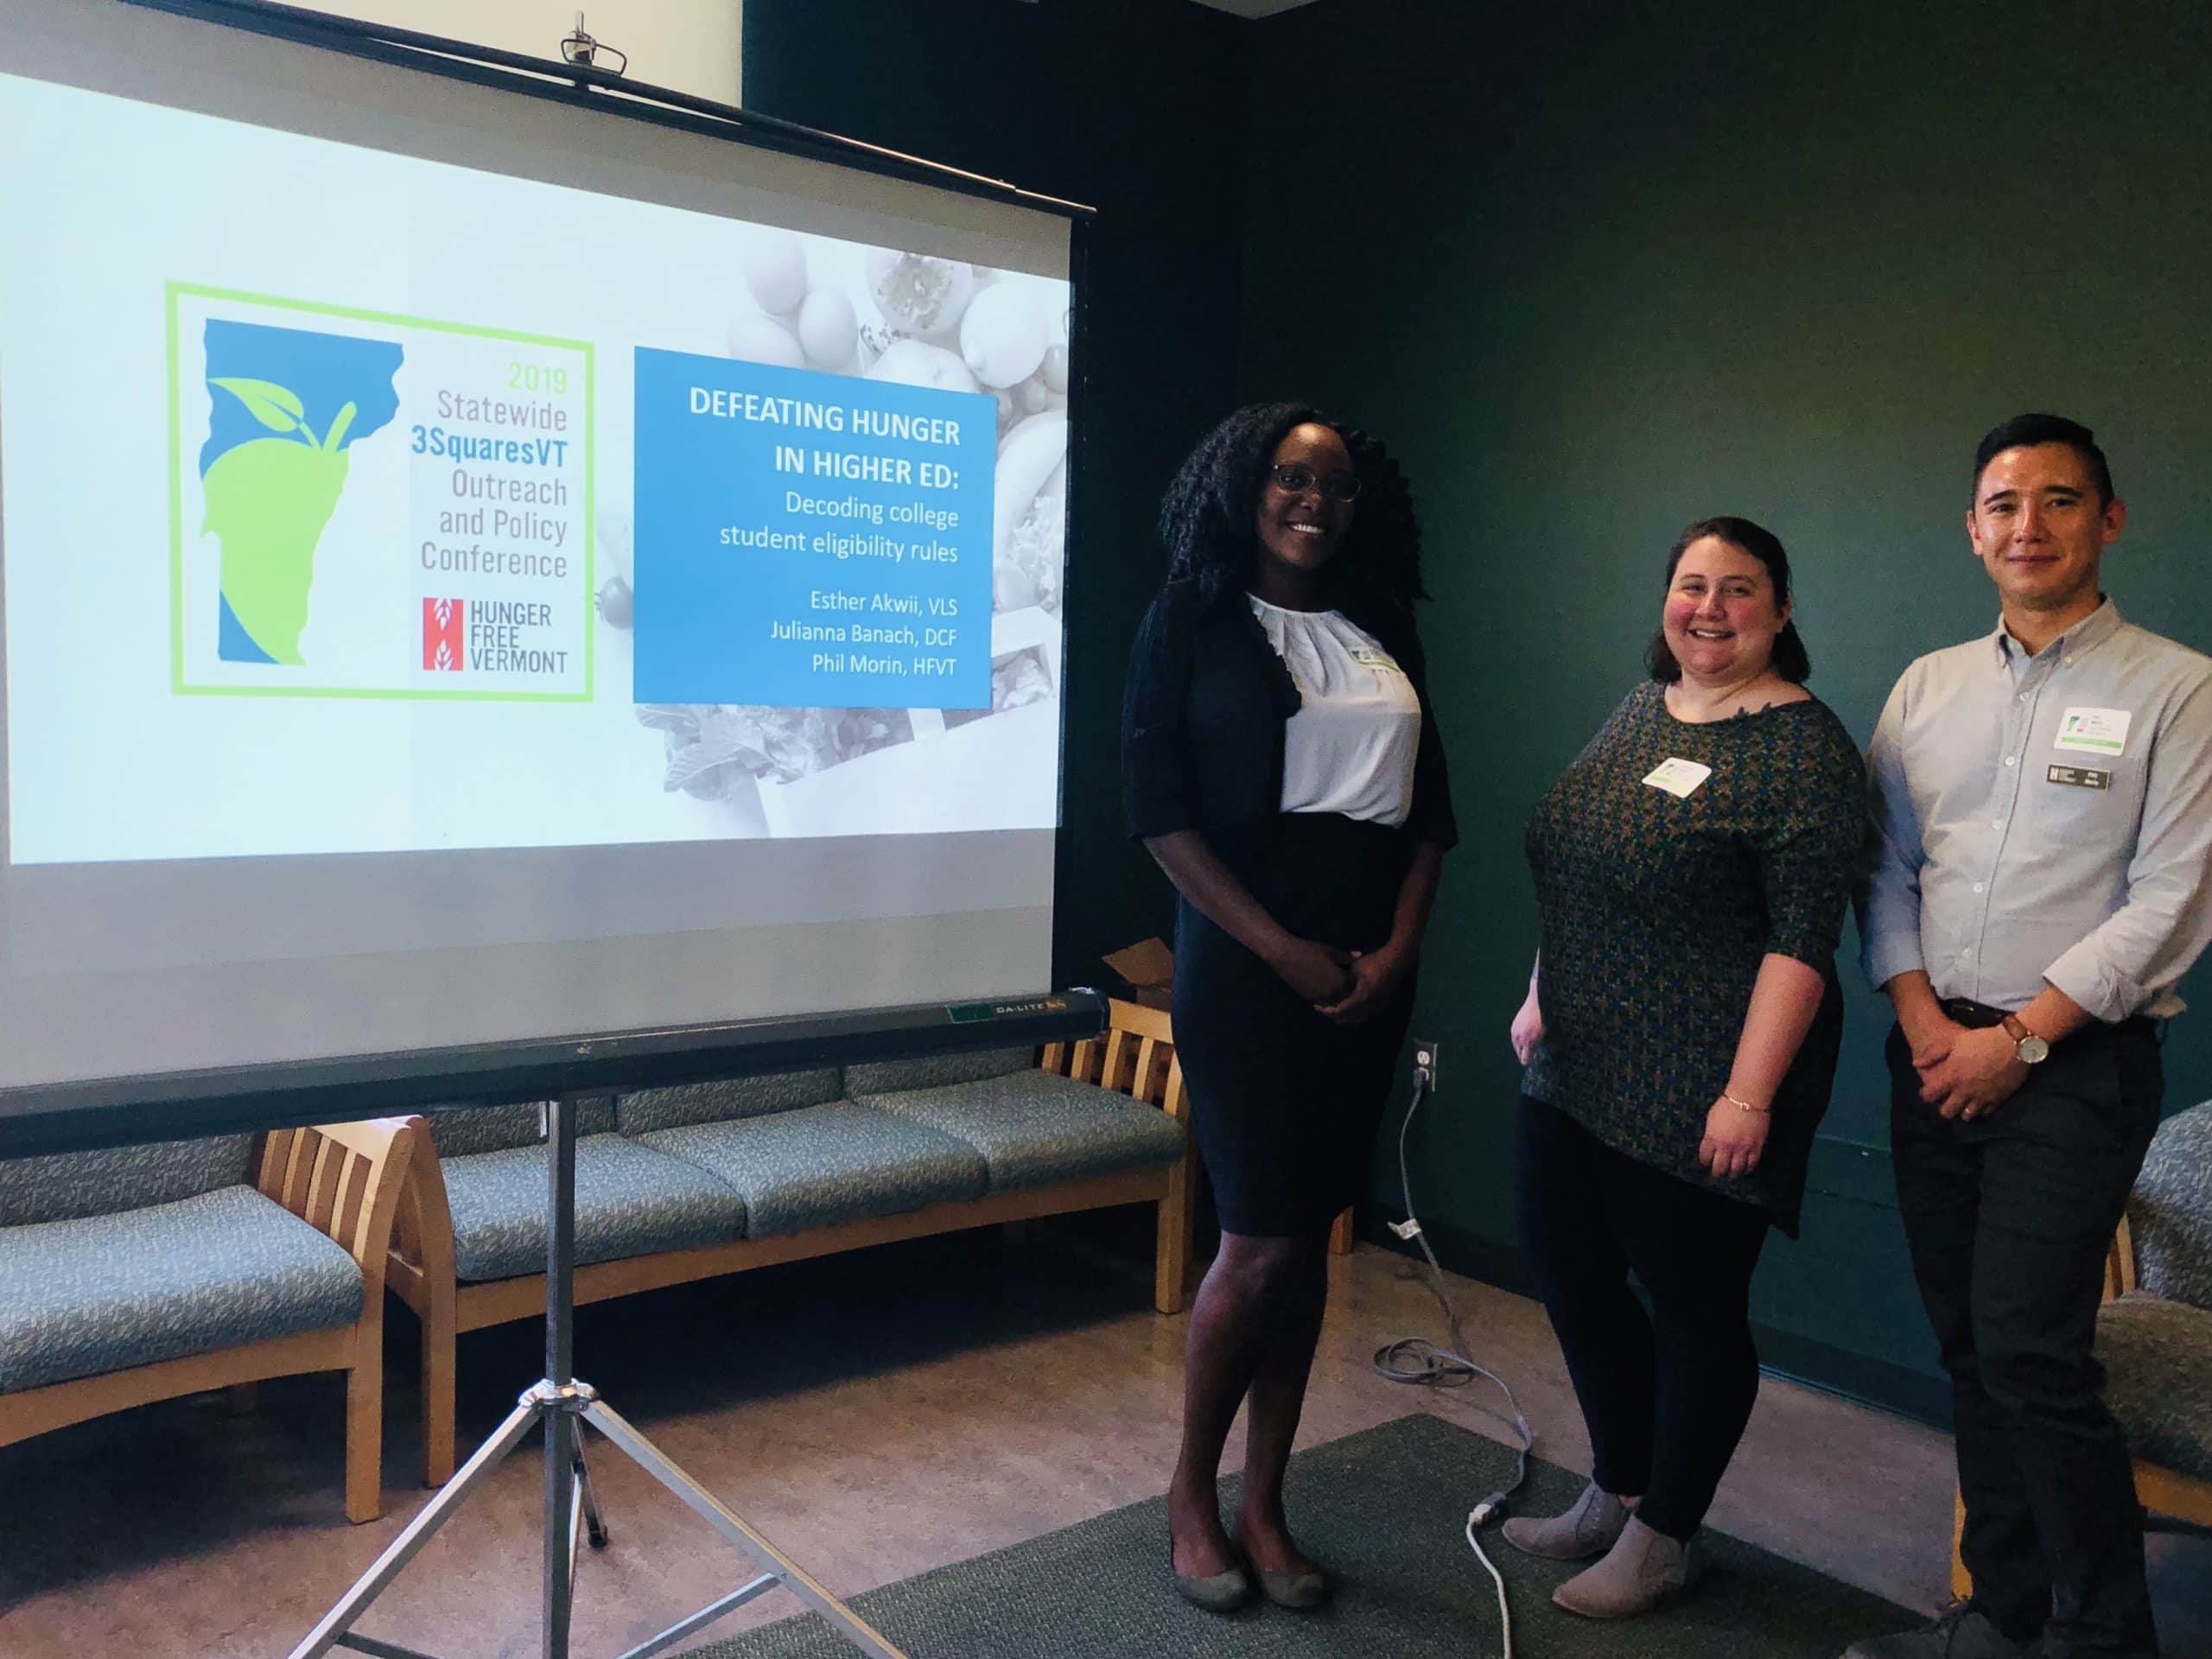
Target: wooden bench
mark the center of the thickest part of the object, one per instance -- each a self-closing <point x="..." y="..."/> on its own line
<point x="1134" y="1059"/>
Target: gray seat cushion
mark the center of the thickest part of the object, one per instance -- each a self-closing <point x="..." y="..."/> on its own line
<point x="822" y="1165"/>
<point x="65" y="1185"/>
<point x="100" y="1292"/>
<point x="460" y="1131"/>
<point x="2158" y="1355"/>
<point x="2171" y="1212"/>
<point x="891" y="1076"/>
<point x="1035" y="1129"/>
<point x="649" y="1110"/>
<point x="631" y="1201"/>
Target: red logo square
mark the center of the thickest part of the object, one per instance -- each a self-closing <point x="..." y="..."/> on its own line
<point x="442" y="621"/>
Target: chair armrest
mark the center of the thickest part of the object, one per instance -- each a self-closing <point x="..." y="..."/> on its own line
<point x="2120" y="1263"/>
<point x="424" y="1240"/>
<point x="344" y="1180"/>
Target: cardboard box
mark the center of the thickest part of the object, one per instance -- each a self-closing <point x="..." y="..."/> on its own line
<point x="1148" y="968"/>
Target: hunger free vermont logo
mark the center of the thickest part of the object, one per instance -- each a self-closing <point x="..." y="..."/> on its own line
<point x="444" y="628"/>
<point x="369" y="505"/>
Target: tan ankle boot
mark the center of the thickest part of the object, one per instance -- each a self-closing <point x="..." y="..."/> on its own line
<point x="1583" y="1534"/>
<point x="1642" y="1570"/>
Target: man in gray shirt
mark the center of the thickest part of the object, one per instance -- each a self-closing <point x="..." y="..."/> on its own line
<point x="2045" y="799"/>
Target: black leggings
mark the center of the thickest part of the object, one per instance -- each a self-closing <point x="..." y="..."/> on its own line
<point x="1665" y="1394"/>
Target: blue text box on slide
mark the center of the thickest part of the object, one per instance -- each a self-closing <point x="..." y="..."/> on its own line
<point x="807" y="539"/>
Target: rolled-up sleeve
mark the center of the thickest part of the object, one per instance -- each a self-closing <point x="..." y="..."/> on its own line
<point x="1889" y="900"/>
<point x="1809" y="854"/>
<point x="1430" y="817"/>
<point x="1155" y="700"/>
<point x="2143" y="948"/>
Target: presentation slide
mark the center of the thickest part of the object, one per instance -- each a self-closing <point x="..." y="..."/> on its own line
<point x="493" y="514"/>
<point x="479" y="568"/>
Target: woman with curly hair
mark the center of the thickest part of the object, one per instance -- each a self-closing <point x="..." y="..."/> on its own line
<point x="1279" y="760"/>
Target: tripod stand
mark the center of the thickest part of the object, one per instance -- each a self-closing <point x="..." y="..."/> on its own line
<point x="563" y="1406"/>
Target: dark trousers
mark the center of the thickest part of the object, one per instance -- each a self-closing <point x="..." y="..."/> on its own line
<point x="1665" y="1394"/>
<point x="2010" y="1218"/>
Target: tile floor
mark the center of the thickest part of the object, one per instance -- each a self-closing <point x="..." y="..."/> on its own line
<point x="875" y="1415"/>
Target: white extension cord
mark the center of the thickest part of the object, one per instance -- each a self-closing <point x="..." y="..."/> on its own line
<point x="1412" y="1359"/>
<point x="1476" y="1517"/>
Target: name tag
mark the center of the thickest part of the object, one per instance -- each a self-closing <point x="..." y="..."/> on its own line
<point x="2078" y="777"/>
<point x="1678" y="777"/>
<point x="2093" y="731"/>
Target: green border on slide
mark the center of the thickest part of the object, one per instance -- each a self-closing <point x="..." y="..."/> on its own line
<point x="179" y="685"/>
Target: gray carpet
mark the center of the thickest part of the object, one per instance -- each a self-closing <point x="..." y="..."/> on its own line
<point x="1386" y="1509"/>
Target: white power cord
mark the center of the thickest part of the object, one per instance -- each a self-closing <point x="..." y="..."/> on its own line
<point x="1476" y="1517"/>
<point x="1413" y="1359"/>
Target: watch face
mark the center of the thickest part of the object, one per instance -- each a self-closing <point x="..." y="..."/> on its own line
<point x="2033" y="1051"/>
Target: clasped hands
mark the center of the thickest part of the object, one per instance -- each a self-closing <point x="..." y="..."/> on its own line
<point x="1965" y="1071"/>
<point x="1346" y="986"/>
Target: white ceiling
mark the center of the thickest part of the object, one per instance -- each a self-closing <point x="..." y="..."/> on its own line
<point x="1253" y="8"/>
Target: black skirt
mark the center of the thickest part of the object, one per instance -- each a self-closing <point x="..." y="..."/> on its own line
<point x="1285" y="1104"/>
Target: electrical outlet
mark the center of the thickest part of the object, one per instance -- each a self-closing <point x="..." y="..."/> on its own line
<point x="1425" y="1058"/>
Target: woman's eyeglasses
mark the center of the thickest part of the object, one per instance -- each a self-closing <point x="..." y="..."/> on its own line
<point x="1297" y="480"/>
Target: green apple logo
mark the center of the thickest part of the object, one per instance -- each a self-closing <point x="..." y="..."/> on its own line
<point x="271" y="480"/>
<point x="267" y="501"/>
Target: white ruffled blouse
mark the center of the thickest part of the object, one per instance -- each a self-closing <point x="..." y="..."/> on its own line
<point x="1351" y="746"/>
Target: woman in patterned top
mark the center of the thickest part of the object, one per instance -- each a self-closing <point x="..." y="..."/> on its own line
<point x="1280" y="761"/>
<point x="1692" y="869"/>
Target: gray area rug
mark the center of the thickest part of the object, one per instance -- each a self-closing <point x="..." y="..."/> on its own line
<point x="1385" y="1509"/>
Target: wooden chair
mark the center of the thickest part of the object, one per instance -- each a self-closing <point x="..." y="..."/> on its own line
<point x="2163" y="1491"/>
<point x="2170" y="1197"/>
<point x="344" y="1180"/>
<point x="1137" y="1057"/>
<point x="1136" y="1023"/>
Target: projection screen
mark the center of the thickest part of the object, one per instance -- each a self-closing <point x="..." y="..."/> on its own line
<point x="480" y="568"/>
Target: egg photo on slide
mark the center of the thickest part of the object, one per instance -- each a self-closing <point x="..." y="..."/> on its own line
<point x="892" y="316"/>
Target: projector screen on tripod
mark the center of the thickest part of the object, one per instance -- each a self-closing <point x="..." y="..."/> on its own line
<point x="479" y="569"/>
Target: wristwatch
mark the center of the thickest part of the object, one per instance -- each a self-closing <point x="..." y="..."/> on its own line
<point x="2031" y="1048"/>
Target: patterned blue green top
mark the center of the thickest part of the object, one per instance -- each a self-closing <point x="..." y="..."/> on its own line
<point x="1658" y="908"/>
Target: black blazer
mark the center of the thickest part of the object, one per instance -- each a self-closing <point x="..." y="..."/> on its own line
<point x="1202" y="724"/>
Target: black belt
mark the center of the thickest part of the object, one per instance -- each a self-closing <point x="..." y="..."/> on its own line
<point x="1974" y="1016"/>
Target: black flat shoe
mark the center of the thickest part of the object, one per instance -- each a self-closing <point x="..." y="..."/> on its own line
<point x="1219" y="1592"/>
<point x="1301" y="1591"/>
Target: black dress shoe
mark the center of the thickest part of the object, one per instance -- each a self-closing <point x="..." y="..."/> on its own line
<point x="1962" y="1631"/>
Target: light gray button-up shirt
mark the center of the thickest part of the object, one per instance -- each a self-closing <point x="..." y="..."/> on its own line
<point x="2045" y="818"/>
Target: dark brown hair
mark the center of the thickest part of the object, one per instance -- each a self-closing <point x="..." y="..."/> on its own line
<point x="1790" y="660"/>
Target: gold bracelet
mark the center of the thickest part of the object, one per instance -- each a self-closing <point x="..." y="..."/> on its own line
<point x="1744" y="1105"/>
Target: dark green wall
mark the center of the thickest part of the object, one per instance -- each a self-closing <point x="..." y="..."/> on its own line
<point x="1137" y="108"/>
<point x="1596" y="271"/>
<point x="1600" y="270"/>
